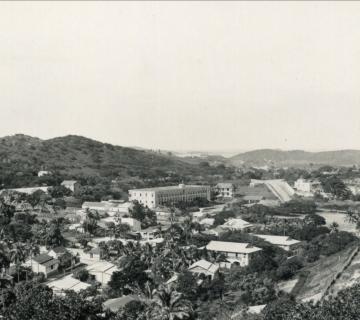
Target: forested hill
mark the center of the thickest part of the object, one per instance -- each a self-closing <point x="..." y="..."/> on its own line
<point x="297" y="157"/>
<point x="75" y="155"/>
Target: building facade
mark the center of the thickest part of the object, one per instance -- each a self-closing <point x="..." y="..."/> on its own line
<point x="154" y="197"/>
<point x="225" y="190"/>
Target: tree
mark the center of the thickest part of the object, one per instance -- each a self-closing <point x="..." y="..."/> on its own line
<point x="18" y="256"/>
<point x="121" y="230"/>
<point x="59" y="192"/>
<point x="168" y="304"/>
<point x="187" y="285"/>
<point x="82" y="274"/>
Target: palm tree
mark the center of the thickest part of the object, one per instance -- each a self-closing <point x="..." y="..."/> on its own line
<point x="17" y="256"/>
<point x="168" y="304"/>
<point x="4" y="256"/>
<point x="334" y="227"/>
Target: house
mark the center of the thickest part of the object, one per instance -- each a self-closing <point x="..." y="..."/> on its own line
<point x="163" y="215"/>
<point x="102" y="271"/>
<point x="225" y="190"/>
<point x="72" y="185"/>
<point x="66" y="259"/>
<point x="284" y="242"/>
<point x="43" y="173"/>
<point x="207" y="222"/>
<point x="114" y="305"/>
<point x="43" y="263"/>
<point x="198" y="215"/>
<point x="150" y="233"/>
<point x="67" y="283"/>
<point x="204" y="267"/>
<point x="134" y="224"/>
<point x="215" y="231"/>
<point x="237" y="224"/>
<point x="240" y="253"/>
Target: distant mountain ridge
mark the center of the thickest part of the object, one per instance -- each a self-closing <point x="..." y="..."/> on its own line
<point x="296" y="157"/>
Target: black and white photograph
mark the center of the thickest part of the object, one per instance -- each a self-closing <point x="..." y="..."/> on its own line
<point x="180" y="160"/>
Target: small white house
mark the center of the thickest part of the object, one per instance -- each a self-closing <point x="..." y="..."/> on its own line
<point x="102" y="271"/>
<point x="204" y="267"/>
<point x="43" y="263"/>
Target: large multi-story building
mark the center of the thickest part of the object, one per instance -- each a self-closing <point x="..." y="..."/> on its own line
<point x="154" y="197"/>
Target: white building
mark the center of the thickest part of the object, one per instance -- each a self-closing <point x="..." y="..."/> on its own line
<point x="204" y="267"/>
<point x="240" y="253"/>
<point x="154" y="197"/>
<point x="225" y="190"/>
<point x="72" y="185"/>
<point x="308" y="187"/>
<point x="43" y="263"/>
<point x="284" y="242"/>
<point x="43" y="173"/>
<point x="102" y="271"/>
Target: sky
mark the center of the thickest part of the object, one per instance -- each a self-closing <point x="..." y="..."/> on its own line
<point x="183" y="75"/>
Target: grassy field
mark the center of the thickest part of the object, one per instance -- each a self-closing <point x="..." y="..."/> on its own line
<point x="349" y="277"/>
<point x="315" y="279"/>
<point x="340" y="219"/>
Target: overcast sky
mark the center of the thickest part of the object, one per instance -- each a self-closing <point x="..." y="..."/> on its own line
<point x="177" y="75"/>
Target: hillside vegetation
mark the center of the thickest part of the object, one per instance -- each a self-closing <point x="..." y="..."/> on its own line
<point x="73" y="156"/>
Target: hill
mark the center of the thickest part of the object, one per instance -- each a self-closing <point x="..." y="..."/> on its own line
<point x="296" y="158"/>
<point x="79" y="156"/>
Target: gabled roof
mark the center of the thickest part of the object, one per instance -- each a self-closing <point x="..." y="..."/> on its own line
<point x="224" y="185"/>
<point x="206" y="265"/>
<point x="43" y="258"/>
<point x="236" y="224"/>
<point x="234" y="247"/>
<point x="278" y="240"/>
<point x="68" y="182"/>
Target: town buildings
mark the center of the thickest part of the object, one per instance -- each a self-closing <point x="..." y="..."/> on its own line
<point x="153" y="197"/>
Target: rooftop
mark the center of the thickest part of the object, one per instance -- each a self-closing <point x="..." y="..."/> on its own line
<point x="178" y="187"/>
<point x="277" y="240"/>
<point x="235" y="247"/>
<point x="42" y="258"/>
<point x="206" y="265"/>
<point x="236" y="224"/>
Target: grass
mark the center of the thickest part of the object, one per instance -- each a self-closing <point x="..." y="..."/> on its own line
<point x="315" y="279"/>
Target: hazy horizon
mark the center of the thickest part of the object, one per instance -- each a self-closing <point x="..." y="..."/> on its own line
<point x="196" y="76"/>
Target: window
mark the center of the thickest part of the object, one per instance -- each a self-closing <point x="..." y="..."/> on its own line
<point x="52" y="267"/>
